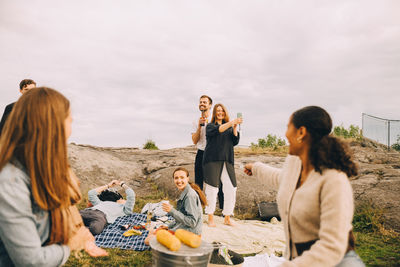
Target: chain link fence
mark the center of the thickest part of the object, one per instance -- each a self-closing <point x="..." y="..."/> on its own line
<point x="381" y="130"/>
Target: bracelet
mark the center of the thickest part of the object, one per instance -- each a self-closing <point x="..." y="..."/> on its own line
<point x="122" y="184"/>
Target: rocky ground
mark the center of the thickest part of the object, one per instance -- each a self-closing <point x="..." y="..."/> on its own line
<point x="378" y="180"/>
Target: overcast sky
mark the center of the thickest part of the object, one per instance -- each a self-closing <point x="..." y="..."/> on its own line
<point x="134" y="70"/>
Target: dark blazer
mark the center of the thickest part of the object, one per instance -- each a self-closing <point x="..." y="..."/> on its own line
<point x="219" y="150"/>
<point x="7" y="112"/>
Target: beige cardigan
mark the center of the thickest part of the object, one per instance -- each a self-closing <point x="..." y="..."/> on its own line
<point x="321" y="208"/>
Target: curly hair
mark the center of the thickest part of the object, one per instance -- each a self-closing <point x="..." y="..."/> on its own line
<point x="326" y="151"/>
<point x="109" y="195"/>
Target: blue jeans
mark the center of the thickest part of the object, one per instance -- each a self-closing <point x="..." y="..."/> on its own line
<point x="351" y="259"/>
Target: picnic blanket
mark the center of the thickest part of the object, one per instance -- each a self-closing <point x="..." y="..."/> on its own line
<point x="112" y="237"/>
<point x="247" y="236"/>
<point x="263" y="260"/>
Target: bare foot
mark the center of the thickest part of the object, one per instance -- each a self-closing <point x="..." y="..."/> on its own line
<point x="227" y="221"/>
<point x="93" y="250"/>
<point x="211" y="224"/>
<point x="211" y="220"/>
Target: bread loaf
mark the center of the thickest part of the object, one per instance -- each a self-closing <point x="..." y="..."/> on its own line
<point x="169" y="240"/>
<point x="188" y="238"/>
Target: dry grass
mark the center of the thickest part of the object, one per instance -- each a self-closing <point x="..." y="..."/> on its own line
<point x="280" y="151"/>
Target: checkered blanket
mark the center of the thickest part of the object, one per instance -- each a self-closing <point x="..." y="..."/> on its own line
<point x="112" y="237"/>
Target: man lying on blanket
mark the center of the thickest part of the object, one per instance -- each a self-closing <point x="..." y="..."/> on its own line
<point x="107" y="206"/>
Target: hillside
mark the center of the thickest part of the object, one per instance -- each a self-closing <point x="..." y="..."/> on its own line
<point x="378" y="181"/>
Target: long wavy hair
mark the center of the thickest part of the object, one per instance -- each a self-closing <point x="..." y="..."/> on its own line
<point x="326" y="151"/>
<point x="195" y="187"/>
<point x="214" y="114"/>
<point x="34" y="134"/>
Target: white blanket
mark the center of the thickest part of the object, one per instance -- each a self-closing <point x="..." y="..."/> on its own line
<point x="247" y="236"/>
<point x="263" y="260"/>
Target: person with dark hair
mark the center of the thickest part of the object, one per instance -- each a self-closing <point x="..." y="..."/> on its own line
<point x="200" y="141"/>
<point x="24" y="86"/>
<point x="199" y="137"/>
<point x="107" y="206"/>
<point x="315" y="197"/>
<point x="218" y="162"/>
<point x="108" y="195"/>
<point x="188" y="214"/>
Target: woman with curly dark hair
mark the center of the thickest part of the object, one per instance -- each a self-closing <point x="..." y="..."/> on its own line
<point x="315" y="198"/>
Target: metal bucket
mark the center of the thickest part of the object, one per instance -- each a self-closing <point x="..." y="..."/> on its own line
<point x="185" y="256"/>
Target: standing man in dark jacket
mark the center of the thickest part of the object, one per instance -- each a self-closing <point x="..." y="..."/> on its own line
<point x="24" y="86"/>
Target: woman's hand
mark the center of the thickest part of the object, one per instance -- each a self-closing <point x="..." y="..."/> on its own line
<point x="248" y="169"/>
<point x="166" y="207"/>
<point x="238" y="121"/>
<point x="113" y="183"/>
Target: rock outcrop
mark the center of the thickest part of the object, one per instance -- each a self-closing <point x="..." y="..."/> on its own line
<point x="378" y="180"/>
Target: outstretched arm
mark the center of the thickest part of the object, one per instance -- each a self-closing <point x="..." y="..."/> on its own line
<point x="223" y="127"/>
<point x="265" y="174"/>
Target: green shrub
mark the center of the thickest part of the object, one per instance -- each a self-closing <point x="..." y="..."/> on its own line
<point x="352" y="132"/>
<point x="396" y="146"/>
<point x="150" y="144"/>
<point x="271" y="141"/>
<point x="368" y="218"/>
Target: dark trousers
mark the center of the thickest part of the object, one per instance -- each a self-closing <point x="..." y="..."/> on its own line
<point x="95" y="220"/>
<point x="199" y="177"/>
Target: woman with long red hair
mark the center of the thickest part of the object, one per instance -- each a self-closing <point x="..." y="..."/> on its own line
<point x="39" y="224"/>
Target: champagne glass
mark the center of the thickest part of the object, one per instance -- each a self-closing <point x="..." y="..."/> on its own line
<point x="239" y="115"/>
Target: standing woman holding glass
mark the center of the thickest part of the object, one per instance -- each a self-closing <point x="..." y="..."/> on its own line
<point x="315" y="198"/>
<point x="39" y="224"/>
<point x="218" y="162"/>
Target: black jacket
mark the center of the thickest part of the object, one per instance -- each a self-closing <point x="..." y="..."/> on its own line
<point x="7" y="112"/>
<point x="219" y="151"/>
<point x="219" y="145"/>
